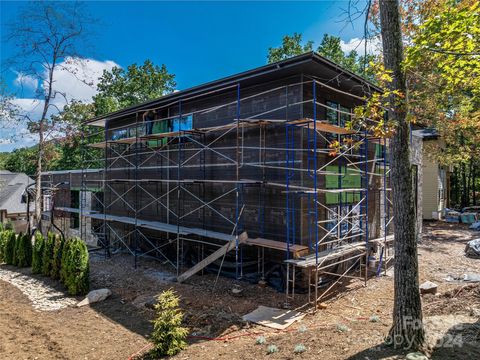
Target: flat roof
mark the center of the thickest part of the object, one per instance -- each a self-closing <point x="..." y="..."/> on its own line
<point x="309" y="63"/>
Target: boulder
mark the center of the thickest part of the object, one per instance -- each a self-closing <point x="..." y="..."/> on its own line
<point x="472" y="249"/>
<point x="428" y="287"/>
<point x="95" y="296"/>
<point x="150" y="304"/>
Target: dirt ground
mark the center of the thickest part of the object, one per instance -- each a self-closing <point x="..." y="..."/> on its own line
<point x="352" y="326"/>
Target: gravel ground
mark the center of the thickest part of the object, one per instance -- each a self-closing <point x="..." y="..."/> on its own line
<point x="43" y="296"/>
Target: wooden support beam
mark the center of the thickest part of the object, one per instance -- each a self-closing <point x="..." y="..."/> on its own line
<point x="212" y="257"/>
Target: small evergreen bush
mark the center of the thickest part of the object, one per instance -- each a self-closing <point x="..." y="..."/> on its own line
<point x="63" y="261"/>
<point x="16" y="248"/>
<point x="271" y="349"/>
<point x="260" y="340"/>
<point x="4" y="234"/>
<point x="23" y="252"/>
<point x="76" y="268"/>
<point x="299" y="348"/>
<point x="47" y="258"/>
<point x="37" y="253"/>
<point x="9" y="249"/>
<point x="168" y="334"/>
<point x="57" y="257"/>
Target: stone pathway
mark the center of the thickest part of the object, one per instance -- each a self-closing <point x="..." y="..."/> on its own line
<point x="42" y="296"/>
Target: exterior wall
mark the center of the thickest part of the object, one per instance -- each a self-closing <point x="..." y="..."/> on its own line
<point x="264" y="213"/>
<point x="435" y="186"/>
<point x="18" y="221"/>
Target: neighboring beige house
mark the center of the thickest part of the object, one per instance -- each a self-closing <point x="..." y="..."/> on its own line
<point x="435" y="182"/>
<point x="13" y="206"/>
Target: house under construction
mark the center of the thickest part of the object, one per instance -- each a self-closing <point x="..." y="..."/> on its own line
<point x="238" y="175"/>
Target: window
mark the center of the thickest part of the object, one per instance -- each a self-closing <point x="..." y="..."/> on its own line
<point x="183" y="123"/>
<point x="171" y="125"/>
<point x="75" y="199"/>
<point x="344" y="115"/>
<point x="119" y="134"/>
<point x="74" y="221"/>
<point x="332" y="113"/>
<point x="47" y="202"/>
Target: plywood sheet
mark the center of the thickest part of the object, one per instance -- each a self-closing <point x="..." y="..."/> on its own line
<point x="274" y="318"/>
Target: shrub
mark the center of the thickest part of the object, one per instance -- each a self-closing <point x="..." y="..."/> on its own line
<point x="75" y="267"/>
<point x="168" y="335"/>
<point x="302" y="329"/>
<point x="260" y="340"/>
<point x="9" y="249"/>
<point x="299" y="348"/>
<point x="342" y="328"/>
<point x="37" y="253"/>
<point x="57" y="257"/>
<point x="63" y="261"/>
<point x="23" y="252"/>
<point x="16" y="250"/>
<point x="4" y="234"/>
<point x="47" y="257"/>
<point x="271" y="349"/>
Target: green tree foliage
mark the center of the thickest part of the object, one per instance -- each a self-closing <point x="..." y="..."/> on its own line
<point x="69" y="147"/>
<point x="4" y="237"/>
<point x="22" y="160"/>
<point x="168" y="334"/>
<point x="57" y="257"/>
<point x="330" y="47"/>
<point x="3" y="240"/>
<point x="121" y="88"/>
<point x="23" y="252"/>
<point x="47" y="258"/>
<point x="37" y="253"/>
<point x="9" y="252"/>
<point x="291" y="46"/>
<point x="118" y="88"/>
<point x="443" y="69"/>
<point x="64" y="260"/>
<point x="75" y="267"/>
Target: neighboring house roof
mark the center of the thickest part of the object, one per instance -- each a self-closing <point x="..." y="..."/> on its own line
<point x="309" y="63"/>
<point x="12" y="187"/>
<point x="426" y="134"/>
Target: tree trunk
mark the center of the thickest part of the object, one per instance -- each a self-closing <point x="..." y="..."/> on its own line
<point x="463" y="172"/>
<point x="457" y="187"/>
<point x="474" y="187"/>
<point x="38" y="180"/>
<point x="407" y="329"/>
<point x="469" y="184"/>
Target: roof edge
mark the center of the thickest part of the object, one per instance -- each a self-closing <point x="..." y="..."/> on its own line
<point x="229" y="80"/>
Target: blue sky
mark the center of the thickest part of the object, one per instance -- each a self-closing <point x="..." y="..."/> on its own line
<point x="197" y="41"/>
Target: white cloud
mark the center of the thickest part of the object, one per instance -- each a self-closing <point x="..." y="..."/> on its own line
<point x="74" y="79"/>
<point x="25" y="81"/>
<point x="357" y="44"/>
<point x="6" y="141"/>
<point x="78" y="79"/>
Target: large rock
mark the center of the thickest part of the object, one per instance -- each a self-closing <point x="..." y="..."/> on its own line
<point x="95" y="296"/>
<point x="472" y="249"/>
<point x="428" y="287"/>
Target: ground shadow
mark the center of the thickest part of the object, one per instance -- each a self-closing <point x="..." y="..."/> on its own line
<point x="461" y="342"/>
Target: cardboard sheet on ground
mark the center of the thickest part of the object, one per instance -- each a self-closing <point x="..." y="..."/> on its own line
<point x="272" y="317"/>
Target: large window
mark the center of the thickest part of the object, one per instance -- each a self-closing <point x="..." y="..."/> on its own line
<point x="332" y="113"/>
<point x="344" y="115"/>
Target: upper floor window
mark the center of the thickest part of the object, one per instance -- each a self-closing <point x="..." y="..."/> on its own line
<point x="332" y="113"/>
<point x="337" y="114"/>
